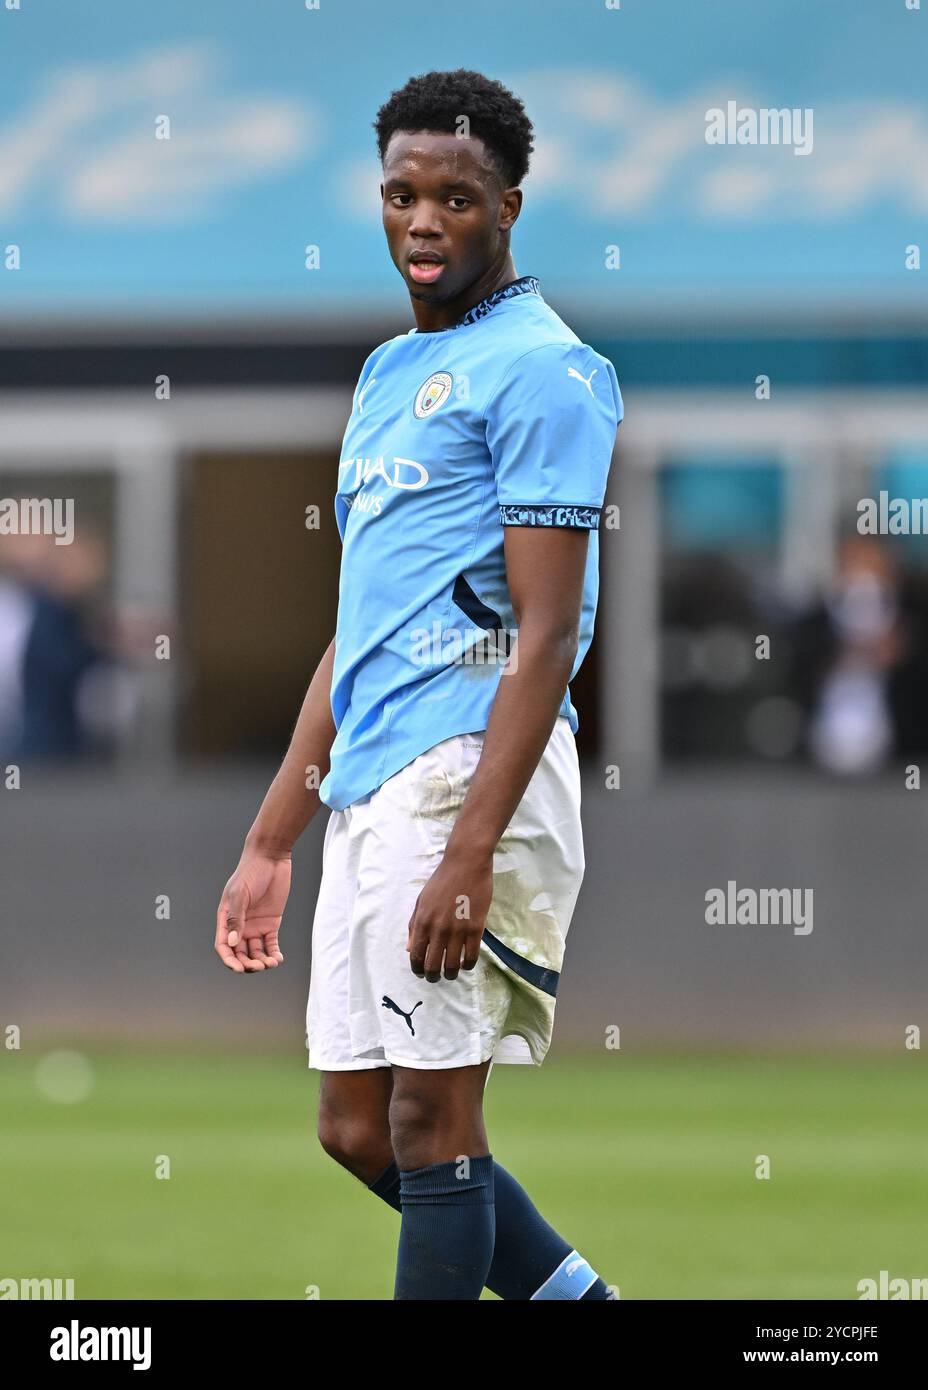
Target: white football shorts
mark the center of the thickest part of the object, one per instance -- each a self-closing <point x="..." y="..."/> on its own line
<point x="366" y="1008"/>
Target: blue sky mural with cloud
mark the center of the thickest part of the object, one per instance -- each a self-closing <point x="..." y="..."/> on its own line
<point x="271" y="149"/>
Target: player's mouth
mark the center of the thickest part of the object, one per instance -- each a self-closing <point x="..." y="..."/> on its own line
<point x="425" y="267"/>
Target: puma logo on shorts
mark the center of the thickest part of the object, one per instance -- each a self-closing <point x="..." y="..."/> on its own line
<point x="389" y="1004"/>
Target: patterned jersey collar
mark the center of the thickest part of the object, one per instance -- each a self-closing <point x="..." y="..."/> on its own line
<point x="526" y="284"/>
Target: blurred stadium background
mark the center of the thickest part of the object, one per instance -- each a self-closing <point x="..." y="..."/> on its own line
<point x="183" y="321"/>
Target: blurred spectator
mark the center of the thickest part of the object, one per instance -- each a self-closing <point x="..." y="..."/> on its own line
<point x="861" y="663"/>
<point x="47" y="651"/>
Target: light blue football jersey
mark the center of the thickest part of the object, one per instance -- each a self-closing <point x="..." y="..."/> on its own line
<point x="503" y="419"/>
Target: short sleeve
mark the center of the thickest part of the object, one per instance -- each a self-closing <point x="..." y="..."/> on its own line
<point x="551" y="426"/>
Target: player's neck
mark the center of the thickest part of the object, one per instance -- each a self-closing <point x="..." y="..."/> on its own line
<point x="432" y="317"/>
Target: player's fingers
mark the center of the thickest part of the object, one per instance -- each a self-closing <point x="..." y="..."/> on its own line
<point x="417" y="947"/>
<point x="255" y="953"/>
<point x="222" y="947"/>
<point x="260" y="952"/>
<point x="235" y="902"/>
<point x="222" y="920"/>
<point x="453" y="953"/>
<point x="271" y="947"/>
<point x="471" y="953"/>
<point x="433" y="958"/>
<point x="242" y="955"/>
<point x="229" y="958"/>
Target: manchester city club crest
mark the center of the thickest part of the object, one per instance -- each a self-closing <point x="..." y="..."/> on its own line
<point x="432" y="394"/>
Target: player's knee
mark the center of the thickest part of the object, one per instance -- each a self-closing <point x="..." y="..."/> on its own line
<point x="422" y="1120"/>
<point x="354" y="1142"/>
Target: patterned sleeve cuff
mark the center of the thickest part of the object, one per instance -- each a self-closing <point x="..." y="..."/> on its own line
<point x="548" y="514"/>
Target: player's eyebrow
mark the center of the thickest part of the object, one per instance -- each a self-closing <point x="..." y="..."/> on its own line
<point x="395" y="181"/>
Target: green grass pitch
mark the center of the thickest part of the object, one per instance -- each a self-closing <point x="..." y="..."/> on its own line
<point x="645" y="1163"/>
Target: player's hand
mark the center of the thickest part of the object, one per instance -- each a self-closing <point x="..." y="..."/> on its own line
<point x="250" y="909"/>
<point x="449" y="917"/>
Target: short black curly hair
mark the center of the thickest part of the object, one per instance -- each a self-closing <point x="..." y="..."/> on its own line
<point x="437" y="100"/>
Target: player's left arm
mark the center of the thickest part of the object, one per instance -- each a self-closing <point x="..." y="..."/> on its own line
<point x="545" y="568"/>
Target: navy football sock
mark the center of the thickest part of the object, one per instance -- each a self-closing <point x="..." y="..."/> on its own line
<point x="527" y="1251"/>
<point x="387" y="1186"/>
<point x="448" y="1230"/>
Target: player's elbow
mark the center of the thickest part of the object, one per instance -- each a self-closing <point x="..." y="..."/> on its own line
<point x="555" y="637"/>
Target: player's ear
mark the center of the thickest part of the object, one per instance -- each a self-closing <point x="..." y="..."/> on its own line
<point x="509" y="208"/>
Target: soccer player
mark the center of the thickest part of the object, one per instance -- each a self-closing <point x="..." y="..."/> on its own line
<point x="470" y="487"/>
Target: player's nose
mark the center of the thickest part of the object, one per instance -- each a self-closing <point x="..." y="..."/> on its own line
<point x="425" y="221"/>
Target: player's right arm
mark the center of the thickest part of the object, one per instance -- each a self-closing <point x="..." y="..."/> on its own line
<point x="253" y="900"/>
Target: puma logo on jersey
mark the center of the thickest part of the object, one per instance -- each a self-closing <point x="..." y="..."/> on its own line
<point x="572" y="371"/>
<point x="389" y="1004"/>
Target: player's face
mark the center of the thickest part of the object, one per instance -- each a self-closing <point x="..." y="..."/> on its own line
<point x="446" y="215"/>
